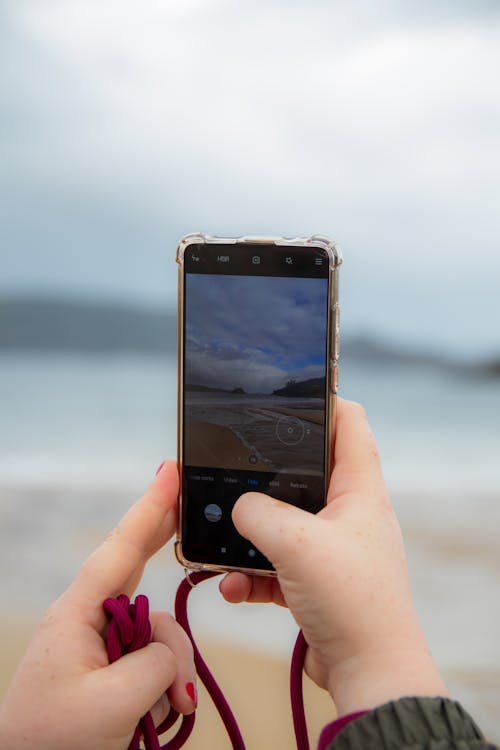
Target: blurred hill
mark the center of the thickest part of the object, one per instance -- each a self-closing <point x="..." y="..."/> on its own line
<point x="43" y="324"/>
<point x="37" y="324"/>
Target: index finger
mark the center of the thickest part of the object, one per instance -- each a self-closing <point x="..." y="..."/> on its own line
<point x="357" y="465"/>
<point x="116" y="566"/>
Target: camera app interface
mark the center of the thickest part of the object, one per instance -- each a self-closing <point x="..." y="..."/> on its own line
<point x="254" y="389"/>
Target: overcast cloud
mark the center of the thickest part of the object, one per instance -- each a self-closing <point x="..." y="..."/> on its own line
<point x="277" y="334"/>
<point x="124" y="125"/>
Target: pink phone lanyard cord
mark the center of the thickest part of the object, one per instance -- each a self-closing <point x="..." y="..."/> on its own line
<point x="129" y="629"/>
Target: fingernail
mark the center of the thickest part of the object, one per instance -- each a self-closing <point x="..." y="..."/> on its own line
<point x="191" y="691"/>
<point x="160" y="467"/>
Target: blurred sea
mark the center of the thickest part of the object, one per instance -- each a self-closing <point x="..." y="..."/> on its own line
<point x="87" y="418"/>
<point x="81" y="436"/>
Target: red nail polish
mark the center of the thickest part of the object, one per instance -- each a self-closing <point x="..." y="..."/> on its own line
<point x="191" y="691"/>
<point x="160" y="467"/>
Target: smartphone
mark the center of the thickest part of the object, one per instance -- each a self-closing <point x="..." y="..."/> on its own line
<point x="258" y="363"/>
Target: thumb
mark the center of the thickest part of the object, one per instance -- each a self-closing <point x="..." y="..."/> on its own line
<point x="129" y="687"/>
<point x="279" y="530"/>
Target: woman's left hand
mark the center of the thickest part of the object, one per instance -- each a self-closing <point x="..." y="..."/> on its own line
<point x="65" y="694"/>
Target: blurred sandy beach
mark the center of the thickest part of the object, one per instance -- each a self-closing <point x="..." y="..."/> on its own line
<point x="255" y="684"/>
<point x="82" y="437"/>
<point x="455" y="578"/>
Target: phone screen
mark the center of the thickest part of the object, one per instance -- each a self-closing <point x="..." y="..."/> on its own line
<point x="254" y="389"/>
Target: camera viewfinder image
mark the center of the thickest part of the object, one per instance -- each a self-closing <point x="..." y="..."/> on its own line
<point x="255" y="373"/>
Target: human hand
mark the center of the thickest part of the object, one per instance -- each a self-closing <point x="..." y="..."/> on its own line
<point x="64" y="693"/>
<point x="343" y="575"/>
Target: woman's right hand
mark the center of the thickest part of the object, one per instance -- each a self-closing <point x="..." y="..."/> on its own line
<point x="343" y="575"/>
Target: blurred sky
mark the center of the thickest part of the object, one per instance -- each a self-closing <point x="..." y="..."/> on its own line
<point x="125" y="124"/>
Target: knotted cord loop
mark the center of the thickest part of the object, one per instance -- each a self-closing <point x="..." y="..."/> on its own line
<point x="130" y="629"/>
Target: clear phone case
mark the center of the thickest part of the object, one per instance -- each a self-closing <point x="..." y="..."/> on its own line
<point x="335" y="260"/>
